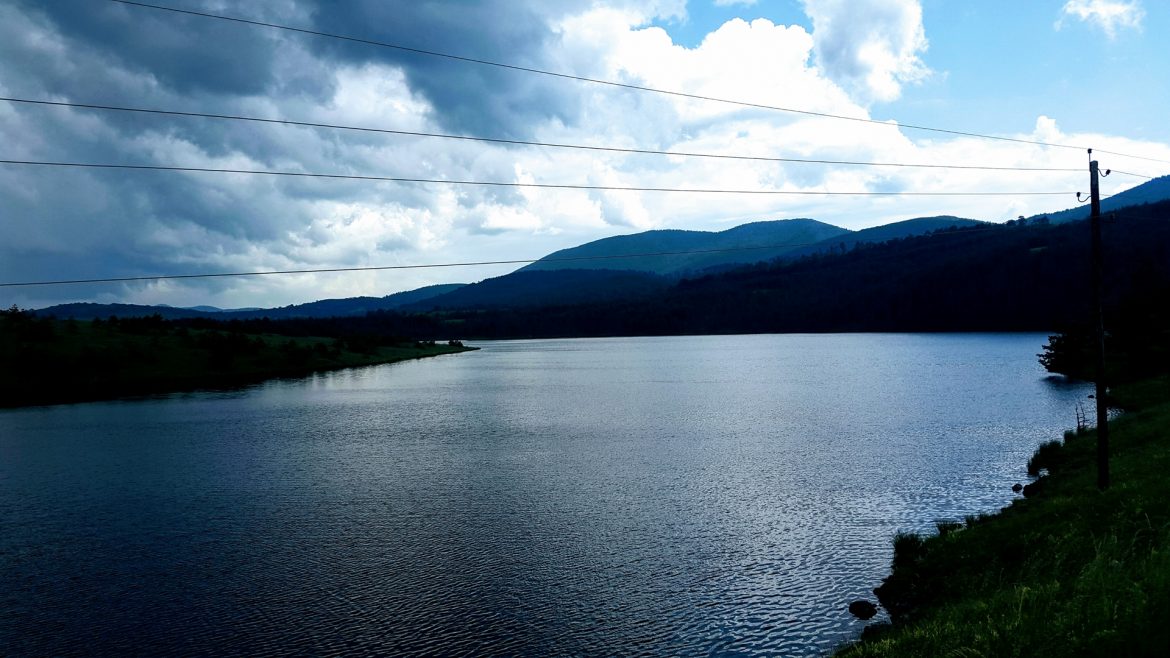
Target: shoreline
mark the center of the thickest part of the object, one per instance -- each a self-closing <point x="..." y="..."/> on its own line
<point x="199" y="384"/>
<point x="76" y="363"/>
<point x="1066" y="570"/>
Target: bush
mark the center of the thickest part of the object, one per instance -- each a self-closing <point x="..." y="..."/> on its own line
<point x="1047" y="456"/>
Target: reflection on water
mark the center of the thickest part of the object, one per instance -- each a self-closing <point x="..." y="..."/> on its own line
<point x="691" y="495"/>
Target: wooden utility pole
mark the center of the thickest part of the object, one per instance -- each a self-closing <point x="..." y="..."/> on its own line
<point x="1098" y="309"/>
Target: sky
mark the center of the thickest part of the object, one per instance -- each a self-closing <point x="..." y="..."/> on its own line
<point x="1079" y="72"/>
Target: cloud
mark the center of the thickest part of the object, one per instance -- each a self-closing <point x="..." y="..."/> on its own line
<point x="729" y="3"/>
<point x="1109" y="15"/>
<point x="870" y="46"/>
<point x="59" y="223"/>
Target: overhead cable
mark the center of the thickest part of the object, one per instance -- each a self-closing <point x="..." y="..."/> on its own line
<point x="611" y="83"/>
<point x="559" y="186"/>
<point x="523" y="261"/>
<point x="520" y="142"/>
<point x="1131" y="174"/>
<point x="960" y="231"/>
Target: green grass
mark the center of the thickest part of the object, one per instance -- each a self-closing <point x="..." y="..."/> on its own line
<point x="1068" y="571"/>
<point x="45" y="361"/>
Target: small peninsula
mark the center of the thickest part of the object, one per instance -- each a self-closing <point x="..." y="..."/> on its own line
<point x="50" y="361"/>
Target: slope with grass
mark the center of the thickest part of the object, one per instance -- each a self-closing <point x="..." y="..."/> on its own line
<point x="1067" y="571"/>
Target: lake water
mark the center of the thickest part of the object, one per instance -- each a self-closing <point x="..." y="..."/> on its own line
<point x="721" y="495"/>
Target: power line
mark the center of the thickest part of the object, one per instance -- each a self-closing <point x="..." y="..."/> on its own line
<point x="1135" y="175"/>
<point x="1136" y="157"/>
<point x="560" y="186"/>
<point x="611" y="83"/>
<point x="523" y="261"/>
<point x="520" y="142"/>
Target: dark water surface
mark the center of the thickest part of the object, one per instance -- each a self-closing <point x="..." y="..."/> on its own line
<point x="686" y="496"/>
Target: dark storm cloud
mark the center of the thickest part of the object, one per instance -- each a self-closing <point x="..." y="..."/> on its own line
<point x="183" y="53"/>
<point x="190" y="55"/>
<point x="67" y="223"/>
<point x="468" y="97"/>
<point x="64" y="223"/>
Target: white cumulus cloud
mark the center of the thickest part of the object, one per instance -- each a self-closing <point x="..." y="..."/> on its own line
<point x="870" y="46"/>
<point x="1109" y="15"/>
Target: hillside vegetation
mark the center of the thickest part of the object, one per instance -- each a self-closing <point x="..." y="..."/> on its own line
<point x="325" y="308"/>
<point x="1022" y="277"/>
<point x="46" y="361"/>
<point x="1067" y="571"/>
<point x="1025" y="276"/>
<point x="746" y="244"/>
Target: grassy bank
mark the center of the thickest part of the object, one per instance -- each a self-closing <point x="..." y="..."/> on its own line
<point x="44" y="361"/>
<point x="1067" y="571"/>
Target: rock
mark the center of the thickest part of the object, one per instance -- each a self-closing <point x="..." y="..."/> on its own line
<point x="862" y="609"/>
<point x="1017" y="487"/>
<point x="874" y="631"/>
<point x="1034" y="488"/>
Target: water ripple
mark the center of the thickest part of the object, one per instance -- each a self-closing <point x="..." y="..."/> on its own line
<point x="690" y="496"/>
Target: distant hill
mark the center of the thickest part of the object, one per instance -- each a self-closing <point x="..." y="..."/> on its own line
<point x="1017" y="277"/>
<point x="216" y="309"/>
<point x="895" y="231"/>
<point x="1151" y="191"/>
<point x="551" y="288"/>
<point x="925" y="274"/>
<point x="622" y="275"/>
<point x="558" y="279"/>
<point x="548" y="283"/>
<point x="89" y="311"/>
<point x="320" y="309"/>
<point x="326" y="308"/>
<point x="764" y="241"/>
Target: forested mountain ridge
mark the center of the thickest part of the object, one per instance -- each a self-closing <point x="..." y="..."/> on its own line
<point x="349" y="306"/>
<point x="1152" y="191"/>
<point x="767" y="245"/>
<point x="597" y="276"/>
<point x="1019" y="277"/>
<point x="744" y="244"/>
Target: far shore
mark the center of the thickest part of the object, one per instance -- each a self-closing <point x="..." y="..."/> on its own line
<point x="58" y="362"/>
<point x="164" y="386"/>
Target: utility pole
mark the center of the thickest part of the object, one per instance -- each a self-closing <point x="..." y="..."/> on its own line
<point x="1098" y="309"/>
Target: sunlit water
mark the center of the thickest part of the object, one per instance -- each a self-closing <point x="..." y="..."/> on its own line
<point x="686" y="496"/>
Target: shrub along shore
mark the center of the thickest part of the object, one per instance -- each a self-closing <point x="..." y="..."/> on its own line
<point x="48" y="361"/>
<point x="1066" y="571"/>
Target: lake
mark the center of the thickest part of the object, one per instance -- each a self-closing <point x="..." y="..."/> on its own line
<point x="717" y="495"/>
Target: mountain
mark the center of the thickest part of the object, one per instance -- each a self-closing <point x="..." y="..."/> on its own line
<point x="348" y="306"/>
<point x="551" y="283"/>
<point x="926" y="274"/>
<point x="216" y="309"/>
<point x="89" y="311"/>
<point x="549" y="288"/>
<point x="1019" y="277"/>
<point x="1151" y="191"/>
<point x="320" y="309"/>
<point x="895" y="231"/>
<point x="616" y="274"/>
<point x="756" y="242"/>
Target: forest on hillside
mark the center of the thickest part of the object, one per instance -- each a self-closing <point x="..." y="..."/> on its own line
<point x="1017" y="277"/>
<point x="1022" y="276"/>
